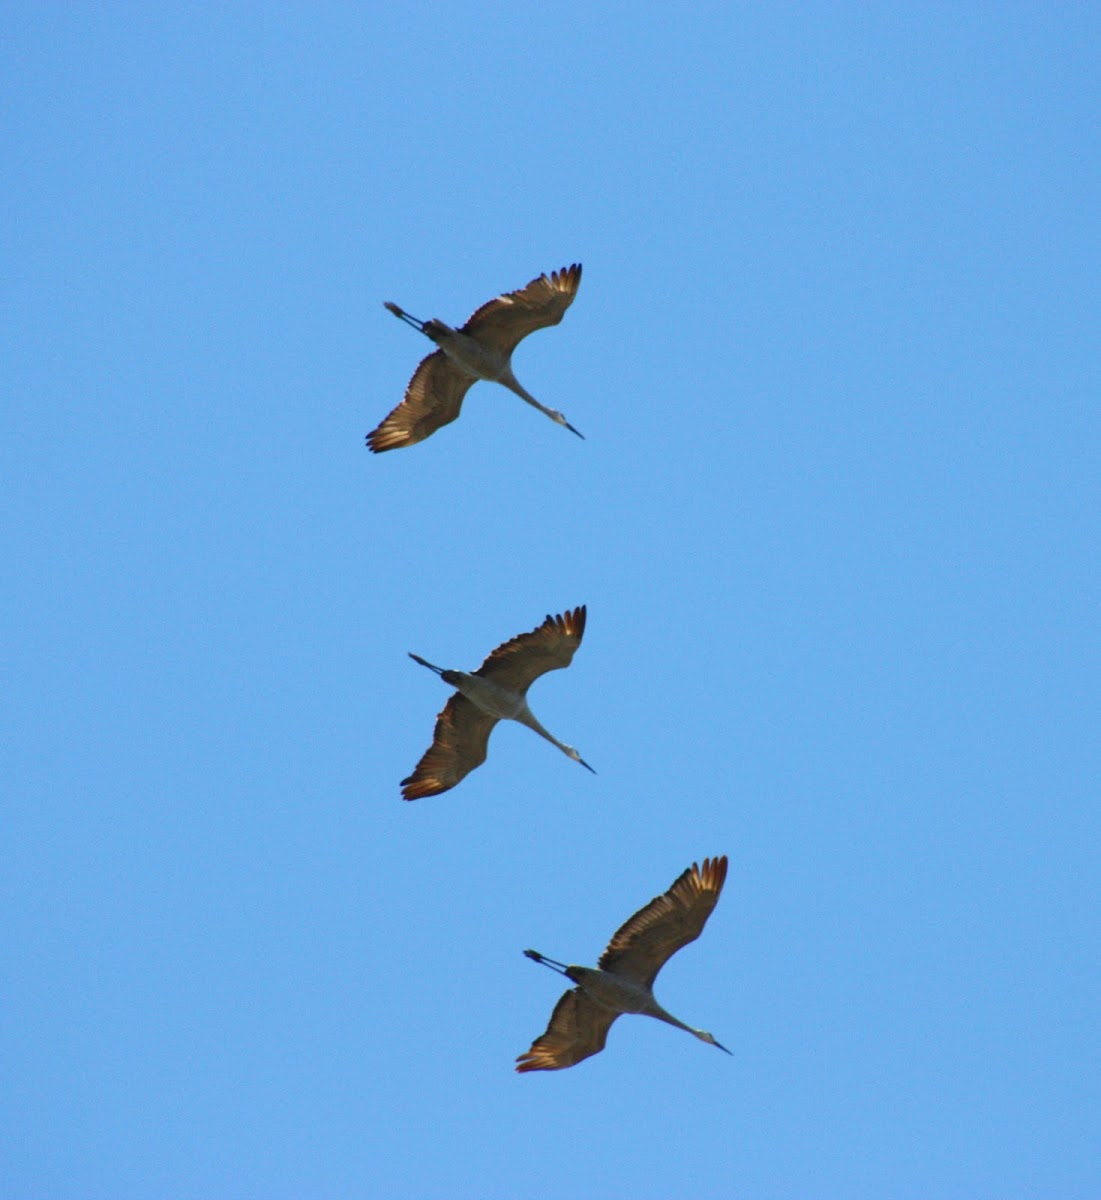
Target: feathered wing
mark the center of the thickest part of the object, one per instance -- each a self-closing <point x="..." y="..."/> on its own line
<point x="459" y="744"/>
<point x="518" y="662"/>
<point x="504" y="321"/>
<point x="432" y="399"/>
<point x="578" y="1028"/>
<point x="644" y="943"/>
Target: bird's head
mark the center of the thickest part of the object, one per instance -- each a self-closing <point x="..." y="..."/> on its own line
<point x="572" y="753"/>
<point x="704" y="1036"/>
<point x="560" y="418"/>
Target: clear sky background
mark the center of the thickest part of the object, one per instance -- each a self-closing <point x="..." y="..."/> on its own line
<point x="836" y="358"/>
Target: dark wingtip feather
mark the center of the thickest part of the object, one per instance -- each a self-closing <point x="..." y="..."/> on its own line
<point x="378" y="441"/>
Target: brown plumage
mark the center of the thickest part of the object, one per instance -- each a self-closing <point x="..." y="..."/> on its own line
<point x="433" y="399"/>
<point x="481" y="349"/>
<point x="578" y="1029"/>
<point x="623" y="980"/>
<point x="503" y="322"/>
<point x="460" y="742"/>
<point x="496" y="690"/>
<point x="644" y="943"/>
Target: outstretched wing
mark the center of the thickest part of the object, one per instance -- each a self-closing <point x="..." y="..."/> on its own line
<point x="643" y="944"/>
<point x="432" y="399"/>
<point x="506" y="320"/>
<point x="578" y="1028"/>
<point x="458" y="746"/>
<point x="528" y="655"/>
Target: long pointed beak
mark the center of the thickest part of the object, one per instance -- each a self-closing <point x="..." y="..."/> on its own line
<point x="584" y="764"/>
<point x="424" y="663"/>
<point x="400" y="313"/>
<point x="572" y="430"/>
<point x="723" y="1048"/>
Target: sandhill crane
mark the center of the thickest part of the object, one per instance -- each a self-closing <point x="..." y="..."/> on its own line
<point x="481" y="349"/>
<point x="624" y="977"/>
<point x="496" y="690"/>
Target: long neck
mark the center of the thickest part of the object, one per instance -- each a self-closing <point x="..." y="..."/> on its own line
<point x="669" y="1019"/>
<point x="513" y="384"/>
<point x="526" y="717"/>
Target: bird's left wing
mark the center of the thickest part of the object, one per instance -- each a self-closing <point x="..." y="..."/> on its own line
<point x="459" y="744"/>
<point x="505" y="320"/>
<point x="433" y="399"/>
<point x="528" y="655"/>
<point x="578" y="1028"/>
<point x="644" y="943"/>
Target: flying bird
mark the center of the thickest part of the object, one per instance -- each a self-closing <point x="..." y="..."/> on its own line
<point x="481" y="349"/>
<point x="495" y="691"/>
<point x="623" y="980"/>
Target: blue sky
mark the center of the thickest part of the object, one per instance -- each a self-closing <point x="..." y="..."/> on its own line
<point x="835" y="519"/>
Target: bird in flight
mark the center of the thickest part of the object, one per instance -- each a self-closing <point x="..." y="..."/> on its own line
<point x="481" y="349"/>
<point x="623" y="980"/>
<point x="495" y="691"/>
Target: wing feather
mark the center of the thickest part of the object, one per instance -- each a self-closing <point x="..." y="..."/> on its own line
<point x="644" y="943"/>
<point x="459" y="744"/>
<point x="432" y="399"/>
<point x="550" y="647"/>
<point x="578" y="1028"/>
<point x="506" y="320"/>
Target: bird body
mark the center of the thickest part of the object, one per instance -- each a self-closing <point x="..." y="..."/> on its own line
<point x="616" y="993"/>
<point x="622" y="981"/>
<point x="496" y="691"/>
<point x="481" y="349"/>
<point x="468" y="355"/>
<point x="501" y="703"/>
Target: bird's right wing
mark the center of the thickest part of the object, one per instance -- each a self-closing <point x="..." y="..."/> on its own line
<point x="645" y="942"/>
<point x="503" y="322"/>
<point x="432" y="400"/>
<point x="459" y="745"/>
<point x="528" y="655"/>
<point x="578" y="1028"/>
